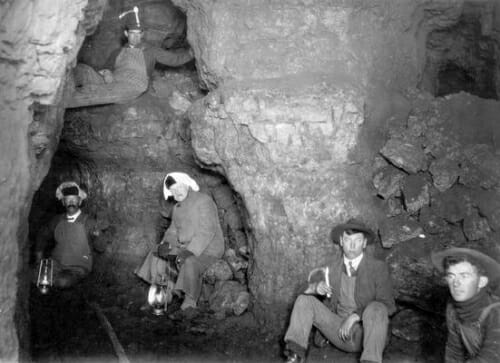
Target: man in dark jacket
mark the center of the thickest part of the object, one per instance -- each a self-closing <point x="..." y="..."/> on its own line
<point x="473" y="313"/>
<point x="127" y="72"/>
<point x="358" y="300"/>
<point x="67" y="239"/>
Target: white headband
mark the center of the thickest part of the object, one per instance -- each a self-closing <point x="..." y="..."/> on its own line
<point x="60" y="196"/>
<point x="179" y="178"/>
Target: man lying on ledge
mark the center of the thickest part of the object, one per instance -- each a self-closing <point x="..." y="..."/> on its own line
<point x="126" y="74"/>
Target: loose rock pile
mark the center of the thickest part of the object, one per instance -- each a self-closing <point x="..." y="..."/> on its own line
<point x="438" y="177"/>
<point x="226" y="283"/>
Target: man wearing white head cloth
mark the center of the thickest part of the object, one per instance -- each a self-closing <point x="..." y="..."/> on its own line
<point x="68" y="238"/>
<point x="194" y="236"/>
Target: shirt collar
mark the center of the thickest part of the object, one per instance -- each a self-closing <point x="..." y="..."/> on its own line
<point x="73" y="218"/>
<point x="355" y="262"/>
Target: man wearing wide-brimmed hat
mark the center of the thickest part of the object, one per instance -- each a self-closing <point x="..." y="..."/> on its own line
<point x="473" y="313"/>
<point x="68" y="238"/>
<point x="358" y="300"/>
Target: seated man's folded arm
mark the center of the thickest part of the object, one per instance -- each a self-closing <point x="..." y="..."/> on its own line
<point x="173" y="59"/>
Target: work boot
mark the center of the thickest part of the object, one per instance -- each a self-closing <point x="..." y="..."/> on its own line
<point x="294" y="358"/>
<point x="319" y="340"/>
<point x="187" y="314"/>
<point x="188" y="302"/>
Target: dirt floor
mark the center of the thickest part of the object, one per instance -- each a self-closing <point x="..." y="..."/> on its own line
<point x="66" y="328"/>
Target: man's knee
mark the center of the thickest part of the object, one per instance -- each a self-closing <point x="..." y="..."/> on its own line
<point x="66" y="279"/>
<point x="65" y="282"/>
<point x="376" y="311"/>
<point x="191" y="264"/>
<point x="304" y="301"/>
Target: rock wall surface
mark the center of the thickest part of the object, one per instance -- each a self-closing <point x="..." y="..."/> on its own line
<point x="38" y="40"/>
<point x="302" y="97"/>
<point x="120" y="155"/>
<point x="449" y="198"/>
<point x="464" y="55"/>
<point x="243" y="40"/>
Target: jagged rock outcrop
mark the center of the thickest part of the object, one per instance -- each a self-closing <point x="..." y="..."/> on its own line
<point x="120" y="154"/>
<point x="295" y="119"/>
<point x="37" y="44"/>
<point x="463" y="56"/>
<point x="303" y="95"/>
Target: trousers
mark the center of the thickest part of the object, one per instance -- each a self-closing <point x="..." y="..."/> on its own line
<point x="368" y="336"/>
<point x="191" y="273"/>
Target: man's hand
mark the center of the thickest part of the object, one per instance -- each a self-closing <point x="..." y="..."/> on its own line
<point x="38" y="257"/>
<point x="345" y="330"/>
<point x="107" y="75"/>
<point x="164" y="249"/>
<point x="182" y="256"/>
<point x="323" y="289"/>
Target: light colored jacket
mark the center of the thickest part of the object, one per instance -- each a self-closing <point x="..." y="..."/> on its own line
<point x="195" y="226"/>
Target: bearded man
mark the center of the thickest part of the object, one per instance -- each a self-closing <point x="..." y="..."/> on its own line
<point x="68" y="238"/>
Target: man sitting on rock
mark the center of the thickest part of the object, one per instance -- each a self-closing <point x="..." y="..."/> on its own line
<point x="194" y="239"/>
<point x="68" y="238"/>
<point x="127" y="72"/>
<point x="358" y="300"/>
<point x="473" y="314"/>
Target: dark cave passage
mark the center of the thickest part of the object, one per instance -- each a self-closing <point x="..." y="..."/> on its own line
<point x="293" y="117"/>
<point x="463" y="57"/>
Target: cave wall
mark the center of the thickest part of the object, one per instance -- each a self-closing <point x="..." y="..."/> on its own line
<point x="464" y="55"/>
<point x="38" y="41"/>
<point x="302" y="97"/>
<point x="120" y="153"/>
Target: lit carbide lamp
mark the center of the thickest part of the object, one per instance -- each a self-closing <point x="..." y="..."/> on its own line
<point x="157" y="298"/>
<point x="135" y="10"/>
<point x="45" y="275"/>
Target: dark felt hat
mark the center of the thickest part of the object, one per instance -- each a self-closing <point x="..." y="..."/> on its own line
<point x="491" y="266"/>
<point x="70" y="190"/>
<point x="353" y="224"/>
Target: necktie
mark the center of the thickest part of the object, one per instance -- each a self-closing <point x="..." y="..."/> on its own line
<point x="352" y="270"/>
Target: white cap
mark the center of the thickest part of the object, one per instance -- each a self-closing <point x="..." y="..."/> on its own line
<point x="179" y="178"/>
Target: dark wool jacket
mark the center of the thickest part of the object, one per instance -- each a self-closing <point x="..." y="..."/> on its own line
<point x="373" y="283"/>
<point x="45" y="241"/>
<point x="484" y="332"/>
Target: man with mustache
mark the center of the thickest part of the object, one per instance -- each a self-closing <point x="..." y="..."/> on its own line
<point x="473" y="313"/>
<point x="67" y="239"/>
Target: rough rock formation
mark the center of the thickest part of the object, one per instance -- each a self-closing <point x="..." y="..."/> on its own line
<point x="464" y="55"/>
<point x="459" y="133"/>
<point x="38" y="41"/>
<point x="120" y="155"/>
<point x="302" y="100"/>
<point x="304" y="94"/>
